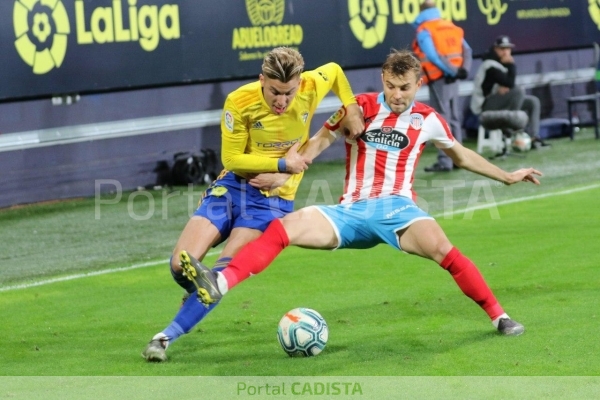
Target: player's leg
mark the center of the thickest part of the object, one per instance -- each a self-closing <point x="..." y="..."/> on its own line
<point x="192" y="312"/>
<point x="198" y="236"/>
<point x="305" y="228"/>
<point x="426" y="238"/>
<point x="210" y="225"/>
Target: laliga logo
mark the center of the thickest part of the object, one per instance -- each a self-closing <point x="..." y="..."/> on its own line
<point x="264" y="12"/>
<point x="44" y="46"/>
<point x="493" y="10"/>
<point x="368" y="21"/>
<point x="594" y="10"/>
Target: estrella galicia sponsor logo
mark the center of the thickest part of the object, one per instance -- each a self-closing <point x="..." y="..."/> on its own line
<point x="386" y="138"/>
<point x="41" y="30"/>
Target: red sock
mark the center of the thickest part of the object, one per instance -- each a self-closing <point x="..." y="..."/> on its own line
<point x="257" y="255"/>
<point x="469" y="280"/>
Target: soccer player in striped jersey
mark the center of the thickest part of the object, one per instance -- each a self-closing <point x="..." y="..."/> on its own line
<point x="378" y="204"/>
<point x="263" y="124"/>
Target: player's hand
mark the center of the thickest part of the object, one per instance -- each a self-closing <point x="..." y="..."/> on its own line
<point x="523" y="175"/>
<point x="353" y="124"/>
<point x="295" y="162"/>
<point x="268" y="181"/>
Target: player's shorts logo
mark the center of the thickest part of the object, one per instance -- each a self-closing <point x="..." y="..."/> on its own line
<point x="218" y="191"/>
<point x="492" y="9"/>
<point x="594" y="10"/>
<point x="265" y="12"/>
<point x="41" y="28"/>
<point x="368" y="21"/>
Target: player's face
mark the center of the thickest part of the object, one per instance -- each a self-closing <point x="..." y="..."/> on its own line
<point x="400" y="91"/>
<point x="277" y="94"/>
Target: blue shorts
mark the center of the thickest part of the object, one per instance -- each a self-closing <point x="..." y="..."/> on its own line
<point x="230" y="202"/>
<point x="367" y="223"/>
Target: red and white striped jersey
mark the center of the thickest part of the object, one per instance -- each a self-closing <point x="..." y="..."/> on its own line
<point x="383" y="160"/>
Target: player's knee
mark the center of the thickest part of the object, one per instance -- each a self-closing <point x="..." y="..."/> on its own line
<point x="174" y="263"/>
<point x="441" y="250"/>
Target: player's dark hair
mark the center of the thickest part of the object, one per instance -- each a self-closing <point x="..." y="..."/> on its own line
<point x="283" y="64"/>
<point x="399" y="62"/>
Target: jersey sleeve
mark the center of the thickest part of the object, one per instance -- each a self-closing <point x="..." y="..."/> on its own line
<point x="440" y="133"/>
<point x="333" y="123"/>
<point x="331" y="77"/>
<point x="234" y="142"/>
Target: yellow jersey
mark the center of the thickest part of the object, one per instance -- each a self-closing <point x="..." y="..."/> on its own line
<point x="254" y="138"/>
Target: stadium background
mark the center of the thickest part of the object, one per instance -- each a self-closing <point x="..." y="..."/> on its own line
<point x="148" y="80"/>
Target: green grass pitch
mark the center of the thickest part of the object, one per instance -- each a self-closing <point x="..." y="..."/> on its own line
<point x="389" y="314"/>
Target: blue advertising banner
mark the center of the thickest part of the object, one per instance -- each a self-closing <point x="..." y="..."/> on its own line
<point x="53" y="47"/>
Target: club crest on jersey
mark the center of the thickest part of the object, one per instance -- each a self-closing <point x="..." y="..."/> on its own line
<point x="386" y="138"/>
<point x="416" y="121"/>
<point x="228" y="117"/>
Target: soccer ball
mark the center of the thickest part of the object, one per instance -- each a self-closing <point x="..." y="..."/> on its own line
<point x="302" y="332"/>
<point x="521" y="142"/>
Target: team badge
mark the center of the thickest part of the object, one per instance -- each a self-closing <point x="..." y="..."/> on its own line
<point x="218" y="191"/>
<point x="416" y="121"/>
<point x="228" y="120"/>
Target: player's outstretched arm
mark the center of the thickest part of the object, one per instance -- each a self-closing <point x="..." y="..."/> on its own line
<point x="471" y="161"/>
<point x="318" y="143"/>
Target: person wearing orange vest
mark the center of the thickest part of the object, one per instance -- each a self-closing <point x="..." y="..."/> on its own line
<point x="445" y="57"/>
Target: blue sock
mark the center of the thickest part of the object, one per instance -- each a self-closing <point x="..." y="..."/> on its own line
<point x="192" y="311"/>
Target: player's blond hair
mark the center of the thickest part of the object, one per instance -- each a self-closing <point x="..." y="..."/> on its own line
<point x="399" y="62"/>
<point x="283" y="64"/>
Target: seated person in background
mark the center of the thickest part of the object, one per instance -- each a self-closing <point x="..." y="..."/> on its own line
<point x="494" y="88"/>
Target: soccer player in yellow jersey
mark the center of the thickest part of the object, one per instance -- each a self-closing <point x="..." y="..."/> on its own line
<point x="263" y="125"/>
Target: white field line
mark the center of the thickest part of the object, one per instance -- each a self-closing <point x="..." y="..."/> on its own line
<point x="214" y="252"/>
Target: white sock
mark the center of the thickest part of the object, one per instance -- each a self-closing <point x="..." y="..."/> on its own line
<point x="161" y="335"/>
<point x="497" y="320"/>
<point x="222" y="283"/>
